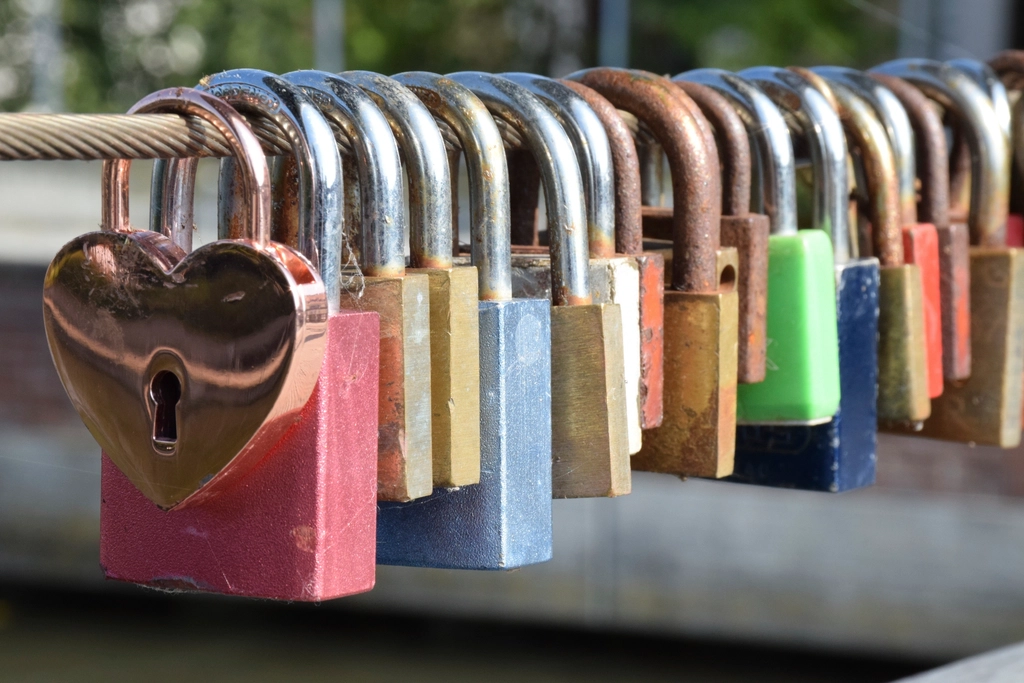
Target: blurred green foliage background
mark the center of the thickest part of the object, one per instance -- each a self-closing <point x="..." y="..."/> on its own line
<point x="115" y="51"/>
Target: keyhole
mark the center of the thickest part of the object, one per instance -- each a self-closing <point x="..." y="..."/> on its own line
<point x="166" y="392"/>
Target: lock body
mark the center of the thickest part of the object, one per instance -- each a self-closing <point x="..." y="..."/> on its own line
<point x="612" y="281"/>
<point x="838" y="455"/>
<point x="651" y="269"/>
<point x="986" y="408"/>
<point x="750" y="236"/>
<point x="921" y="248"/>
<point x="955" y="294"/>
<point x="902" y="367"/>
<point x="697" y="435"/>
<point x="247" y="541"/>
<point x="802" y="381"/>
<point x="617" y="281"/>
<point x="503" y="522"/>
<point x="588" y="413"/>
<point x="454" y="374"/>
<point x="404" y="467"/>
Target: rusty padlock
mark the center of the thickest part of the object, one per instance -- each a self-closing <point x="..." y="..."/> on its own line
<point x="837" y="455"/>
<point x="629" y="241"/>
<point x="697" y="435"/>
<point x="589" y="446"/>
<point x="503" y="522"/>
<point x="986" y="408"/>
<point x="320" y="544"/>
<point x="920" y="240"/>
<point x="614" y="279"/>
<point x="454" y="323"/>
<point x="932" y="163"/>
<point x="747" y="232"/>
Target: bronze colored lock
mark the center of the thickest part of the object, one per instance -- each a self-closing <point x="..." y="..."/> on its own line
<point x="589" y="443"/>
<point x="986" y="408"/>
<point x="629" y="240"/>
<point x="454" y="320"/>
<point x="697" y="436"/>
<point x="745" y="231"/>
<point x="954" y="240"/>
<point x="614" y="279"/>
<point x="902" y="365"/>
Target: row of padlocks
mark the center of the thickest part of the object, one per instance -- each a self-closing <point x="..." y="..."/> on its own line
<point x="284" y="408"/>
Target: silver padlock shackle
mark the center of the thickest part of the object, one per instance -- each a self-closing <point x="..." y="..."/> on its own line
<point x="593" y="154"/>
<point x="775" y="167"/>
<point x="382" y="228"/>
<point x="261" y="93"/>
<point x="810" y="114"/>
<point x="990" y="158"/>
<point x="989" y="81"/>
<point x="893" y="116"/>
<point x="255" y="174"/>
<point x="490" y="224"/>
<point x="426" y="163"/>
<point x="560" y="174"/>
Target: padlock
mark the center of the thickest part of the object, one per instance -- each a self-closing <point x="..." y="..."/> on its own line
<point x="747" y="232"/>
<point x="839" y="454"/>
<point x="503" y="522"/>
<point x="402" y="301"/>
<point x="803" y="385"/>
<point x="454" y="324"/>
<point x="986" y="408"/>
<point x="920" y="240"/>
<point x="697" y="435"/>
<point x="1009" y="67"/>
<point x="629" y="241"/>
<point x="614" y="279"/>
<point x="954" y="241"/>
<point x="300" y="524"/>
<point x="589" y="443"/>
<point x="902" y="365"/>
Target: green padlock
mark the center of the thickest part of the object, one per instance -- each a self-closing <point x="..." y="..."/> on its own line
<point x="802" y="382"/>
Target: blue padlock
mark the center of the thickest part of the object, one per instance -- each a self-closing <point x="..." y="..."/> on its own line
<point x="840" y="454"/>
<point x="503" y="522"/>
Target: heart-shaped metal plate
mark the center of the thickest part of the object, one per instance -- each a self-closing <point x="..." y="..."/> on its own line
<point x="187" y="369"/>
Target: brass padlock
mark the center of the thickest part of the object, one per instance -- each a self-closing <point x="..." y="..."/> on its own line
<point x="454" y="322"/>
<point x="920" y="239"/>
<point x="629" y="241"/>
<point x="986" y="408"/>
<point x="954" y="240"/>
<point x="614" y="279"/>
<point x="747" y="232"/>
<point x="902" y="365"/>
<point x="697" y="435"/>
<point x="589" y="446"/>
<point x="402" y="299"/>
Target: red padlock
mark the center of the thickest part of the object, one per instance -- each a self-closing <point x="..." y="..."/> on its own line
<point x="932" y="162"/>
<point x="301" y="525"/>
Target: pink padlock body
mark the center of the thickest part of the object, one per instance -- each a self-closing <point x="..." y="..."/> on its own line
<point x="300" y="526"/>
<point x="921" y="247"/>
